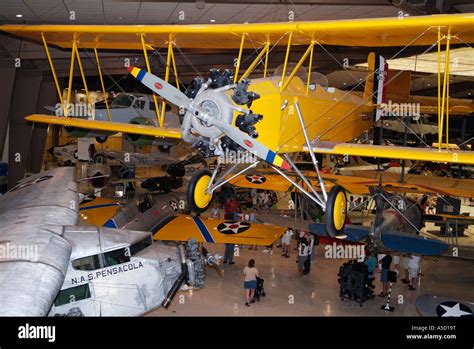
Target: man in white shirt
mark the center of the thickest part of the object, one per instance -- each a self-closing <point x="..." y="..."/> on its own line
<point x="413" y="268"/>
<point x="286" y="242"/>
<point x="396" y="262"/>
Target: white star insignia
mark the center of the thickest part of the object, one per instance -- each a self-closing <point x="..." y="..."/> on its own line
<point x="174" y="205"/>
<point x="233" y="227"/>
<point x="454" y="311"/>
<point x="255" y="179"/>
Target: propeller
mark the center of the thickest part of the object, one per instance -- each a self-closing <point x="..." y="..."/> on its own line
<point x="176" y="97"/>
<point x="213" y="261"/>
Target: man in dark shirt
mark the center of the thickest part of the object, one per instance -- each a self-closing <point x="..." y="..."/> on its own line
<point x="386" y="261"/>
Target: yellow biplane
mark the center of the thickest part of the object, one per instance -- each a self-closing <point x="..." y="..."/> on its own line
<point x="269" y="117"/>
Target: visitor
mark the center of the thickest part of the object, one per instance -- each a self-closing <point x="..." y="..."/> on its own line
<point x="286" y="242"/>
<point x="253" y="216"/>
<point x="229" y="254"/>
<point x="310" y="244"/>
<point x="245" y="217"/>
<point x="379" y="261"/>
<point x="250" y="281"/>
<point x="261" y="199"/>
<point x="386" y="262"/>
<point x="237" y="216"/>
<point x="352" y="203"/>
<point x="302" y="256"/>
<point x="371" y="263"/>
<point x="227" y="208"/>
<point x="254" y="194"/>
<point x="215" y="213"/>
<point x="248" y="201"/>
<point x="406" y="260"/>
<point x="413" y="269"/>
<point x="396" y="262"/>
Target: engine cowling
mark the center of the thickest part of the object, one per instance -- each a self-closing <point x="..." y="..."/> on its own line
<point x="140" y="139"/>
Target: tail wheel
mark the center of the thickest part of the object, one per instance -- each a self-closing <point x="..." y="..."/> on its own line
<point x="336" y="211"/>
<point x="198" y="200"/>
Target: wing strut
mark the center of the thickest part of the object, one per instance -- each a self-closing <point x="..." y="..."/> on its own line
<point x="313" y="157"/>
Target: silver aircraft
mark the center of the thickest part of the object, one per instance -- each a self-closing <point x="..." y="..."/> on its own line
<point x="51" y="266"/>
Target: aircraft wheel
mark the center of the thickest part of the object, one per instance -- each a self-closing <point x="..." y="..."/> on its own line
<point x="101" y="139"/>
<point x="336" y="210"/>
<point x="198" y="200"/>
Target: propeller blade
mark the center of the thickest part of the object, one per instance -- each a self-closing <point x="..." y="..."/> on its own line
<point x="218" y="270"/>
<point x="250" y="144"/>
<point x="176" y="97"/>
<point x="161" y="87"/>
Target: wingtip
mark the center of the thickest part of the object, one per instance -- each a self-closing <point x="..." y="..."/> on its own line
<point x="130" y="68"/>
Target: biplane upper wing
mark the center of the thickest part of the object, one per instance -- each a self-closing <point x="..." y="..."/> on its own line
<point x="401" y="153"/>
<point x="217" y="231"/>
<point x="106" y="126"/>
<point x="373" y="32"/>
<point x="361" y="181"/>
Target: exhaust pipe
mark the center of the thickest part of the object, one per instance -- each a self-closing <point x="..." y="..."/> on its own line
<point x="179" y="281"/>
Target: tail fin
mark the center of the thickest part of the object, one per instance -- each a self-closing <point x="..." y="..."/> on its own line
<point x="376" y="81"/>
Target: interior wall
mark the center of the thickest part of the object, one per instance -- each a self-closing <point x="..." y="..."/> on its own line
<point x="47" y="97"/>
<point x="7" y="72"/>
<point x="24" y="102"/>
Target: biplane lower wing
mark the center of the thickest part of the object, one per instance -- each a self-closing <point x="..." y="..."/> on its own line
<point x="217" y="231"/>
<point x="106" y="126"/>
<point x="360" y="183"/>
<point x="402" y="153"/>
<point x="392" y="240"/>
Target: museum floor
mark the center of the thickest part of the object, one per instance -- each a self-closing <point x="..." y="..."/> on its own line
<point x="316" y="294"/>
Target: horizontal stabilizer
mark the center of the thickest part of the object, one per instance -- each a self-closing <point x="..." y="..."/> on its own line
<point x="410" y="243"/>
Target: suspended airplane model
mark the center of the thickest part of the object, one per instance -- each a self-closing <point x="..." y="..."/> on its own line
<point x="272" y="116"/>
<point x="52" y="266"/>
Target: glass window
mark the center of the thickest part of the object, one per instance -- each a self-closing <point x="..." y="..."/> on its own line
<point x="151" y="105"/>
<point x="139" y="104"/>
<point x="140" y="245"/>
<point x="116" y="257"/>
<point x="87" y="263"/>
<point x="73" y="294"/>
<point x="121" y="101"/>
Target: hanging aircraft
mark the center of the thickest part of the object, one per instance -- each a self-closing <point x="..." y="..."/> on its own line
<point x="271" y="117"/>
<point x="52" y="266"/>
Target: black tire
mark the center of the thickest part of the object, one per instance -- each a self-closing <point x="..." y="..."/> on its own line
<point x="191" y="192"/>
<point x="335" y="228"/>
<point x="101" y="139"/>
